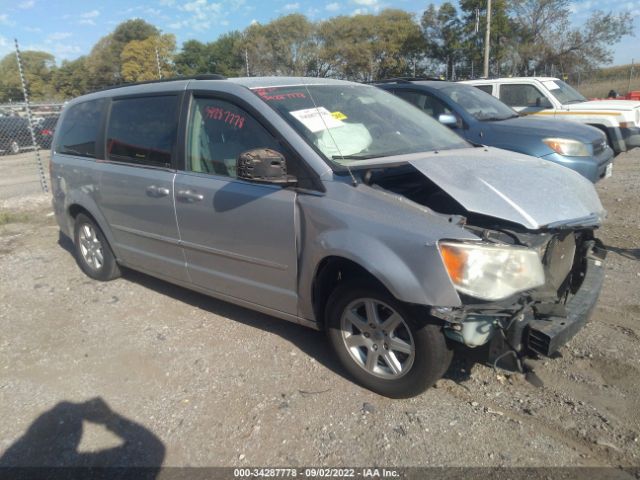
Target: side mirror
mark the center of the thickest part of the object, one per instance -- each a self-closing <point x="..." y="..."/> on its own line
<point x="543" y="102"/>
<point x="448" y="119"/>
<point x="263" y="165"/>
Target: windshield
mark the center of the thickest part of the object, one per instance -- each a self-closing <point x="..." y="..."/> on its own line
<point x="483" y="106"/>
<point x="350" y="123"/>
<point x="564" y="93"/>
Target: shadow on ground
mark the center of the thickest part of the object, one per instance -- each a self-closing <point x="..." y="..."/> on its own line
<point x="312" y="342"/>
<point x="53" y="439"/>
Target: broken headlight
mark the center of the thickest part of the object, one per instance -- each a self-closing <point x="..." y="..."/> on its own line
<point x="491" y="272"/>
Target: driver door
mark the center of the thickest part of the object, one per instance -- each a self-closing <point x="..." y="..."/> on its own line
<point x="523" y="98"/>
<point x="239" y="237"/>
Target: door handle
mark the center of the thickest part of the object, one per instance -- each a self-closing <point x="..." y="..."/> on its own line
<point x="157" y="192"/>
<point x="189" y="196"/>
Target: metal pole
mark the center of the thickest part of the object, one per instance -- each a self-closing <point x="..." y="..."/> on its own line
<point x="630" y="77"/>
<point x="23" y="80"/>
<point x="246" y="60"/>
<point x="158" y="64"/>
<point x="487" y="37"/>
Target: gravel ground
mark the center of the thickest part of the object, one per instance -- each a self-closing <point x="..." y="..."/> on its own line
<point x="137" y="371"/>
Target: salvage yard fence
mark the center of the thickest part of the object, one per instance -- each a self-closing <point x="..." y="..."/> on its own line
<point x="25" y="127"/>
<point x="25" y="142"/>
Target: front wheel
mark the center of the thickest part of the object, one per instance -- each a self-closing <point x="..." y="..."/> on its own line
<point x="14" y="147"/>
<point x="382" y="344"/>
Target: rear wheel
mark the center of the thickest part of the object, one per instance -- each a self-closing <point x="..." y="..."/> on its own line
<point x="93" y="254"/>
<point x="380" y="342"/>
<point x="14" y="147"/>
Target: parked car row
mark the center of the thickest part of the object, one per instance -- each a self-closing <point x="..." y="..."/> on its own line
<point x="15" y="135"/>
<point x="482" y="119"/>
<point x="552" y="98"/>
<point x="344" y="208"/>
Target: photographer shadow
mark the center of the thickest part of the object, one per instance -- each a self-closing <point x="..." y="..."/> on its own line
<point x="53" y="439"/>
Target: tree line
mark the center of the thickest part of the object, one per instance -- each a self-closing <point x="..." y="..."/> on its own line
<point x="527" y="37"/>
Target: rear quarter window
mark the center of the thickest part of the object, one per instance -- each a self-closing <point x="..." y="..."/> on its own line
<point x="142" y="130"/>
<point x="485" y="88"/>
<point x="80" y="128"/>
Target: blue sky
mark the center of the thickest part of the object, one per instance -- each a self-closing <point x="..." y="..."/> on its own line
<point x="68" y="29"/>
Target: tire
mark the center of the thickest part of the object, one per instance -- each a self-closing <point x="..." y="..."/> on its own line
<point x="399" y="361"/>
<point x="14" y="147"/>
<point x="92" y="251"/>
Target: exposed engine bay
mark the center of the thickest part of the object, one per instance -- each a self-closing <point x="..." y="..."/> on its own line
<point x="535" y="321"/>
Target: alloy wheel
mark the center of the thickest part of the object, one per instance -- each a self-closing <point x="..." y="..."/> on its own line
<point x="91" y="247"/>
<point x="377" y="338"/>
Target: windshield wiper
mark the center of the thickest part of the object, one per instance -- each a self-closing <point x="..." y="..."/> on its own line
<point x="354" y="157"/>
<point x="496" y="119"/>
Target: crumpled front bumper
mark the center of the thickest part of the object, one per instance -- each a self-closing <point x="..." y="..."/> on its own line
<point x="546" y="335"/>
<point x="531" y="325"/>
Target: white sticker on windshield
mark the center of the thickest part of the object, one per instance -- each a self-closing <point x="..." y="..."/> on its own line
<point x="317" y="119"/>
<point x="551" y="85"/>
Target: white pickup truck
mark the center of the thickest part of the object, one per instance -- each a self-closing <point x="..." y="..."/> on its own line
<point x="547" y="96"/>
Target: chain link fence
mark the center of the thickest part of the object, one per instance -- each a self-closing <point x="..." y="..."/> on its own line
<point x="25" y="147"/>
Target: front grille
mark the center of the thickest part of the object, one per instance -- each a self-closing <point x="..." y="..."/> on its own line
<point x="599" y="147"/>
<point x="539" y="342"/>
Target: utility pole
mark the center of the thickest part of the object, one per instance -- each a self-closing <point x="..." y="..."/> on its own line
<point x="487" y="38"/>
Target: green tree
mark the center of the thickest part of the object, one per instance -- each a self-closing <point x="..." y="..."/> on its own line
<point x="545" y="36"/>
<point x="104" y="64"/>
<point x="346" y="47"/>
<point x="193" y="59"/>
<point x="474" y="12"/>
<point x="398" y="44"/>
<point x="227" y="56"/>
<point x="443" y="33"/>
<point x="70" y="79"/>
<point x="37" y="67"/>
<point x="284" y="46"/>
<point x="141" y="58"/>
<point x="369" y="47"/>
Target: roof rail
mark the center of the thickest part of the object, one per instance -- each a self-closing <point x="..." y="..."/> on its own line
<point x="405" y="80"/>
<point x="202" y="76"/>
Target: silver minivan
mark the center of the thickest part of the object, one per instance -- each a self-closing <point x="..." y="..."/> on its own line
<point x="335" y="205"/>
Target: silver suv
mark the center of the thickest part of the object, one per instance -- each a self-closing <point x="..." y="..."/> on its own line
<point x="337" y="206"/>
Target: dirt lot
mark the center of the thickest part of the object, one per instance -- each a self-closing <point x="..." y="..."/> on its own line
<point x="188" y="380"/>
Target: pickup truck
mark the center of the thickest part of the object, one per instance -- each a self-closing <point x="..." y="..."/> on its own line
<point x="553" y="98"/>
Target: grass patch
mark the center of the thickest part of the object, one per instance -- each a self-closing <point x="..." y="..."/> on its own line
<point x="7" y="217"/>
<point x="601" y="89"/>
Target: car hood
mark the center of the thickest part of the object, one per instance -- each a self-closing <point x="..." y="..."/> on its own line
<point x="545" y="127"/>
<point x="518" y="188"/>
<point x="611" y="105"/>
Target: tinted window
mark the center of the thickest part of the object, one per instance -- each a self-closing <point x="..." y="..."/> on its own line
<point x="79" y="129"/>
<point x="479" y="104"/>
<point x="485" y="88"/>
<point x="520" y="95"/>
<point x="219" y="132"/>
<point x="427" y="103"/>
<point x="143" y="130"/>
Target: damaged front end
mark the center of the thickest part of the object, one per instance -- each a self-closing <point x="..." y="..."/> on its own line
<point x="532" y="278"/>
<point x="539" y="320"/>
